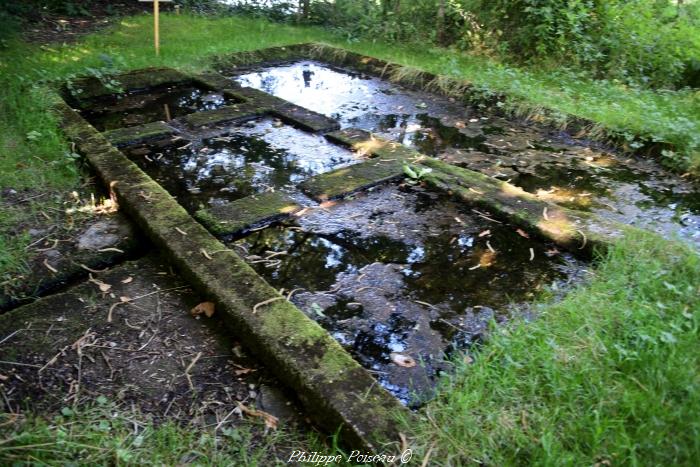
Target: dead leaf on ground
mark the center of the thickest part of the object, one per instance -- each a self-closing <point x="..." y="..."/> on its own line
<point x="103" y="286"/>
<point x="522" y="233"/>
<point x="127" y="280"/>
<point x="403" y="360"/>
<point x="270" y="420"/>
<point x="243" y="371"/>
<point x="484" y="233"/>
<point x="206" y="308"/>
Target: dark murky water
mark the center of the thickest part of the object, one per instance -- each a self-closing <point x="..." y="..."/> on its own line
<point x="405" y="272"/>
<point x="554" y="166"/>
<point x="251" y="158"/>
<point x="139" y="107"/>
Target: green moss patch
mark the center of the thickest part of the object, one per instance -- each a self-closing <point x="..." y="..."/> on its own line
<point x="580" y="232"/>
<point x="237" y="112"/>
<point x="250" y="212"/>
<point x="139" y="134"/>
<point x="348" y="180"/>
<point x="85" y="89"/>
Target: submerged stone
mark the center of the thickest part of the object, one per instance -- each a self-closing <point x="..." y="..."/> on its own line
<point x="247" y="213"/>
<point x="400" y="271"/>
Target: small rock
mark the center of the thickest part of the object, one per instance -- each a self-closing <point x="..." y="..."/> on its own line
<point x="273" y="401"/>
<point x="34" y="233"/>
<point x="103" y="234"/>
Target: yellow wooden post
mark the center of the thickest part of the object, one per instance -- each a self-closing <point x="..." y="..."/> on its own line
<point x="156" y="22"/>
<point x="156" y="26"/>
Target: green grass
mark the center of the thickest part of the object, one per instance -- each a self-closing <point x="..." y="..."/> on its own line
<point x="103" y="433"/>
<point x="610" y="374"/>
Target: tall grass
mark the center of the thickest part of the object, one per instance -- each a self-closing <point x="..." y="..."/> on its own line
<point x="609" y="376"/>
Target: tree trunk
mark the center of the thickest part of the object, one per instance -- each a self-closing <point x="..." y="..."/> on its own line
<point x="303" y="10"/>
<point x="440" y="23"/>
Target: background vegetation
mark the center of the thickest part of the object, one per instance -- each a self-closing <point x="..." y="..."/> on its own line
<point x="651" y="43"/>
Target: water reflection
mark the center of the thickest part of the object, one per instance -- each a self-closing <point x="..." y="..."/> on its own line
<point x="588" y="177"/>
<point x="252" y="158"/>
<point x="138" y="108"/>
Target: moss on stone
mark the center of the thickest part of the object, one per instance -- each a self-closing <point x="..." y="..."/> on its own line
<point x="89" y="88"/>
<point x="250" y="212"/>
<point x="305" y="119"/>
<point x="348" y="180"/>
<point x="212" y="80"/>
<point x="281" y="320"/>
<point x="579" y="232"/>
<point x="237" y="112"/>
<point x="139" y="134"/>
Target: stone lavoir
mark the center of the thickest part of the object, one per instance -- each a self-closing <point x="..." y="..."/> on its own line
<point x="352" y="231"/>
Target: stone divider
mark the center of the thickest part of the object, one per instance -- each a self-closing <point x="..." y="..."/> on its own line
<point x="580" y="232"/>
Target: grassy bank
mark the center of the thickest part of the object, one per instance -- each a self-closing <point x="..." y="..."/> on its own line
<point x="609" y="376"/>
<point x="106" y="434"/>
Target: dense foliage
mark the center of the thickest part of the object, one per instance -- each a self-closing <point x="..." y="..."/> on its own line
<point x="643" y="42"/>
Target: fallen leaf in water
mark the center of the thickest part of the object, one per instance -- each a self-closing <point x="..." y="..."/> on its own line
<point x="270" y="420"/>
<point x="403" y="360"/>
<point x="327" y="204"/>
<point x="206" y="308"/>
<point x="522" y="233"/>
<point x="487" y="258"/>
<point x="127" y="280"/>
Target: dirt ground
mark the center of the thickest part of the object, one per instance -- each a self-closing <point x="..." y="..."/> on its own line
<point x="128" y="335"/>
<point x="45" y="27"/>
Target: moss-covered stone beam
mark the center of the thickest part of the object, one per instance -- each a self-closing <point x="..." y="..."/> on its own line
<point x="347" y="180"/>
<point x="139" y="134"/>
<point x="231" y="113"/>
<point x="90" y="88"/>
<point x="579" y="232"/>
<point x="247" y="213"/>
<point x="293" y="114"/>
<point x="385" y="163"/>
<point x="335" y="390"/>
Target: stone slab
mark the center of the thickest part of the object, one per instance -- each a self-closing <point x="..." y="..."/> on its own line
<point x="139" y="134"/>
<point x="231" y="113"/>
<point x="247" y="213"/>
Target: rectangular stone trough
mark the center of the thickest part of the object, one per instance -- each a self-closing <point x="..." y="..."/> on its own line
<point x="252" y="181"/>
